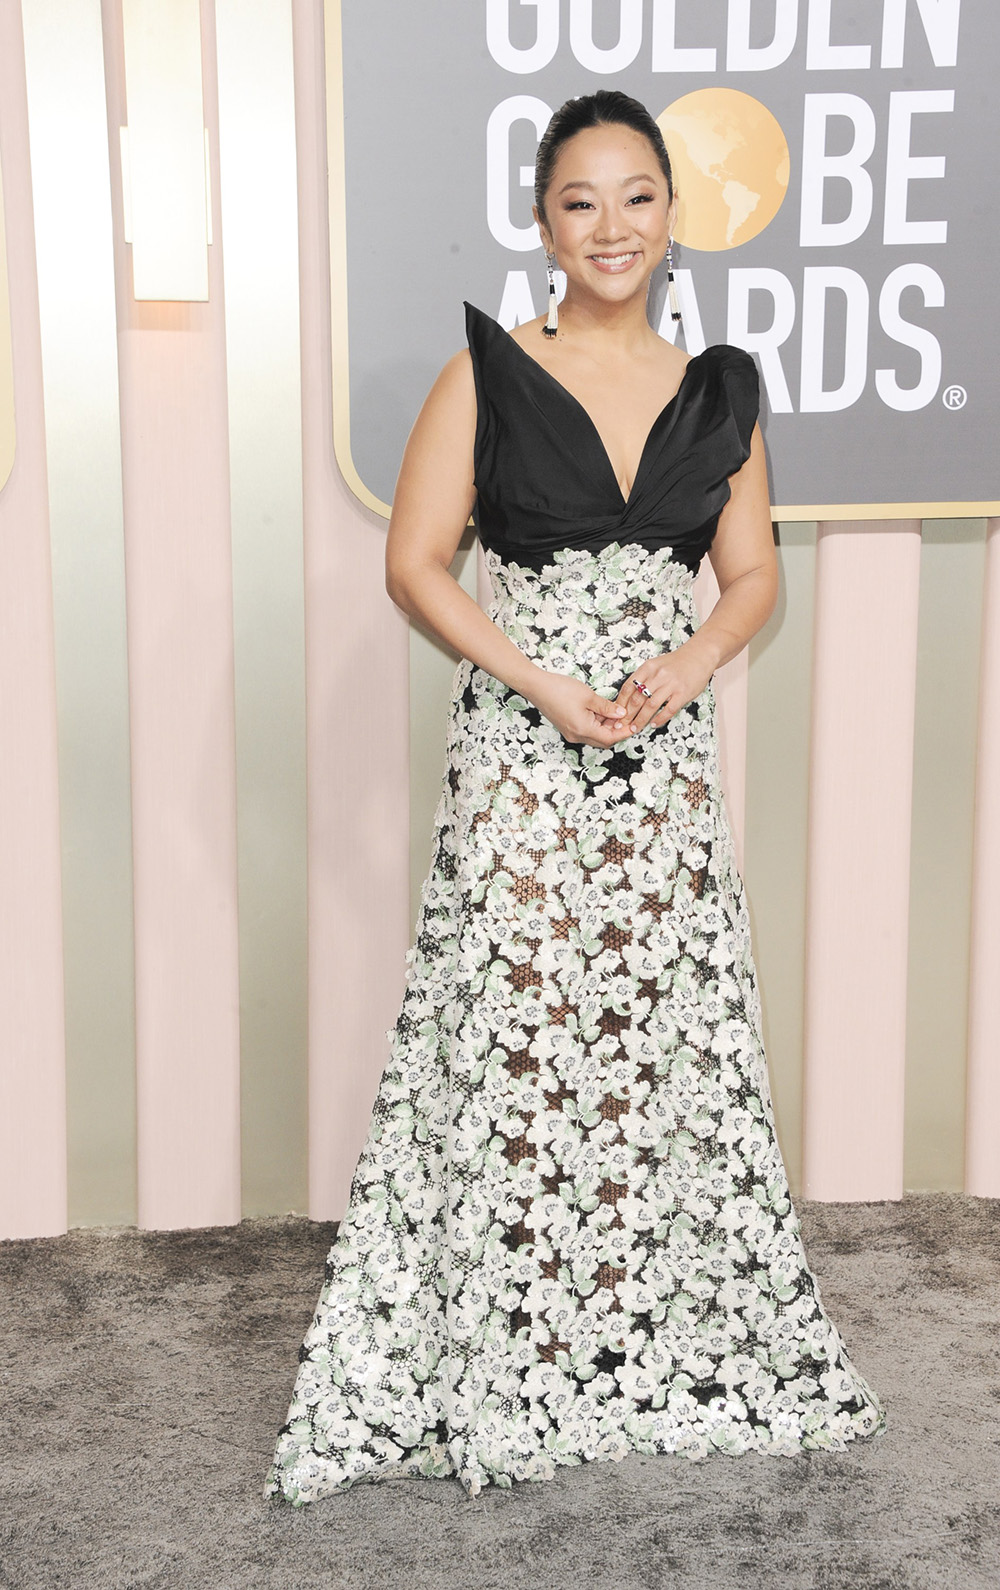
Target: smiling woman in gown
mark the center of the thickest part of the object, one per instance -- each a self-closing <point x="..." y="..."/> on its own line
<point x="569" y="1234"/>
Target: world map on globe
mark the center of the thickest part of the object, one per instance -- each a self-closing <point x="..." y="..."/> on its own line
<point x="731" y="166"/>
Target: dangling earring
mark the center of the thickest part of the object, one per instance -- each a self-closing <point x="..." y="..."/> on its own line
<point x="551" y="326"/>
<point x="675" y="308"/>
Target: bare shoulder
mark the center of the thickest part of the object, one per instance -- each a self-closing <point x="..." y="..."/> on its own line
<point x="456" y="375"/>
<point x="452" y="398"/>
<point x="436" y="472"/>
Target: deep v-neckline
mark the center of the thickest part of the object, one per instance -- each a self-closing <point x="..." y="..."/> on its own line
<point x="625" y="500"/>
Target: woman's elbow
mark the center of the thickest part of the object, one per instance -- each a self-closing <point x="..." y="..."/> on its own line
<point x="771" y="588"/>
<point x="396" y="567"/>
<point x="396" y="586"/>
<point x="391" y="582"/>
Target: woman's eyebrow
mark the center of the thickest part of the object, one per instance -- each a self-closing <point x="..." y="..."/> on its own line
<point x="641" y="176"/>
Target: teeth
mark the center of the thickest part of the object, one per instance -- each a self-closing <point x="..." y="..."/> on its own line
<point x="614" y="259"/>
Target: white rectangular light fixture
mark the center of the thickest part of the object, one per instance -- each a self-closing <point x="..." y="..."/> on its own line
<point x="165" y="175"/>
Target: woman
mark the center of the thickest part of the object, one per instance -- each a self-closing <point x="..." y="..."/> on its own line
<point x="569" y="1234"/>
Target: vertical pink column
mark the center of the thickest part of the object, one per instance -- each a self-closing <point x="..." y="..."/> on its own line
<point x="175" y="472"/>
<point x="982" y="1142"/>
<point x="357" y="772"/>
<point x="32" y="1036"/>
<point x="864" y="676"/>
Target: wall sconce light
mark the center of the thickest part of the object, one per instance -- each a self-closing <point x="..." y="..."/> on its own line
<point x="166" y="187"/>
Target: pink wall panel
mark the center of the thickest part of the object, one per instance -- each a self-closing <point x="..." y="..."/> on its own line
<point x="357" y="720"/>
<point x="32" y="1029"/>
<point x="864" y="671"/>
<point x="982" y="1174"/>
<point x="180" y="654"/>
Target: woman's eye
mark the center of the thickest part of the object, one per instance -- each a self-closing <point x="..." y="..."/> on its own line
<point x="585" y="204"/>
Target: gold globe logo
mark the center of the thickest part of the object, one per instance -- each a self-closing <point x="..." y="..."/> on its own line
<point x="730" y="163"/>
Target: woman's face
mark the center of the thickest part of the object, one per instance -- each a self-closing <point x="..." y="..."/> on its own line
<point x="608" y="213"/>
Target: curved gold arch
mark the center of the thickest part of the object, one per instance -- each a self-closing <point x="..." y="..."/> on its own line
<point x="337" y="184"/>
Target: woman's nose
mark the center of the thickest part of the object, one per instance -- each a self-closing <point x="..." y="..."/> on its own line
<point x="611" y="226"/>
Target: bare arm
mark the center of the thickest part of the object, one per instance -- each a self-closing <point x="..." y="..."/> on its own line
<point x="433" y="499"/>
<point x="743" y="557"/>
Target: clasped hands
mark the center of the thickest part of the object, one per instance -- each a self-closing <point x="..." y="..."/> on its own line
<point x="583" y="717"/>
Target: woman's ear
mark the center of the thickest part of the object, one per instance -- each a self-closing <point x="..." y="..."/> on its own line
<point x="543" y="231"/>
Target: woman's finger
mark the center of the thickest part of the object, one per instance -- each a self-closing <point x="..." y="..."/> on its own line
<point x="649" y="706"/>
<point x="603" y="735"/>
<point x="605" y="718"/>
<point x="636" y="698"/>
<point x="610" y="711"/>
<point x="666" y="711"/>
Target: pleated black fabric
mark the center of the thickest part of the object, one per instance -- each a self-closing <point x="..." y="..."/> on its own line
<point x="543" y="476"/>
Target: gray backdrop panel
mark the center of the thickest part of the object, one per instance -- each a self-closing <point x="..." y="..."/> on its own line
<point x="420" y="85"/>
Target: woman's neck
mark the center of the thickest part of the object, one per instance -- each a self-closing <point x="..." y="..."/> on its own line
<point x="600" y="324"/>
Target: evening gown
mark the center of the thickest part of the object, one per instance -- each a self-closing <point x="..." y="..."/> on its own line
<point x="569" y="1234"/>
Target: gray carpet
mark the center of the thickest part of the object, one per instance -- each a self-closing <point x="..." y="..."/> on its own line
<point x="144" y="1377"/>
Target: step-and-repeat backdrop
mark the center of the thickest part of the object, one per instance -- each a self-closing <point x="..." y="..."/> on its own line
<point x="833" y="161"/>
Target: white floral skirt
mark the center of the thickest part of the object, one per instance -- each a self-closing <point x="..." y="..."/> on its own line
<point x="569" y="1234"/>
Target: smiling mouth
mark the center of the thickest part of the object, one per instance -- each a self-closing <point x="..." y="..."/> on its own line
<point x="614" y="262"/>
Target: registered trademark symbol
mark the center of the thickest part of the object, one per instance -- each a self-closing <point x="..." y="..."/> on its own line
<point x="954" y="397"/>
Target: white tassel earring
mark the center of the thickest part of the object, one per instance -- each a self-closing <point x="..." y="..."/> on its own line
<point x="675" y="308"/>
<point x="551" y="325"/>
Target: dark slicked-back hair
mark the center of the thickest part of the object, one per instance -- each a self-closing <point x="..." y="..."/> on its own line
<point x="607" y="108"/>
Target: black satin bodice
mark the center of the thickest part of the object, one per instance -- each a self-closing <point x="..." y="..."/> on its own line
<point x="543" y="477"/>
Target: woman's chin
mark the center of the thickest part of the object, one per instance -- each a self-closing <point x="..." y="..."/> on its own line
<point x="610" y="291"/>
